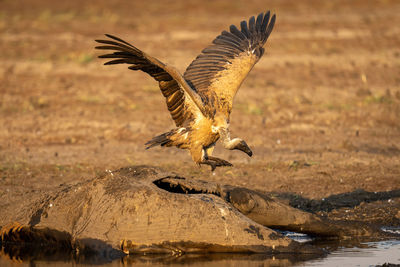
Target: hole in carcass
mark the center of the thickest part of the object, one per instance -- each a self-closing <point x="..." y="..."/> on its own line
<point x="176" y="184"/>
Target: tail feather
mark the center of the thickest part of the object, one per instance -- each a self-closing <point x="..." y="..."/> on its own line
<point x="160" y="140"/>
<point x="175" y="137"/>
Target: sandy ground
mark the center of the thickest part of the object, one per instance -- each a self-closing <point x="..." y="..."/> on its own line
<point x="321" y="110"/>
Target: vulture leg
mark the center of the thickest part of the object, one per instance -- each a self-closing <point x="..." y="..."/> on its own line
<point x="213" y="161"/>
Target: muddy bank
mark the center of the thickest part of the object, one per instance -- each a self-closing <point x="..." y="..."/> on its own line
<point x="131" y="211"/>
<point x="142" y="209"/>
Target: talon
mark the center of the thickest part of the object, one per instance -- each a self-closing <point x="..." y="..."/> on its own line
<point x="216" y="162"/>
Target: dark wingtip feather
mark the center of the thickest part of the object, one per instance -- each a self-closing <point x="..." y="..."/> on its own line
<point x="106" y="56"/>
<point x="255" y="31"/>
<point x="252" y="24"/>
<point x="100" y="47"/>
<point x="108" y="42"/>
<point x="236" y="32"/>
<point x="116" y="61"/>
<point x="265" y="21"/>
<point x="119" y="40"/>
<point x="245" y="29"/>
<point x="270" y="26"/>
<point x="259" y="21"/>
<point x="109" y="47"/>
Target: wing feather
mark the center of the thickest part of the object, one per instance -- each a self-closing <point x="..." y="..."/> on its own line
<point x="259" y="22"/>
<point x="238" y="33"/>
<point x="252" y="25"/>
<point x="265" y="22"/>
<point x="245" y="30"/>
<point x="182" y="101"/>
<point x="222" y="66"/>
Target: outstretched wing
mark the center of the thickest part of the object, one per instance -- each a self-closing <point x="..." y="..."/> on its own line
<point x="221" y="68"/>
<point x="182" y="101"/>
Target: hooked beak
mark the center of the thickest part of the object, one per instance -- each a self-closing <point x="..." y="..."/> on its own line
<point x="242" y="145"/>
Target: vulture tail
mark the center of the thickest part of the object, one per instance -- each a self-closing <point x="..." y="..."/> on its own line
<point x="171" y="138"/>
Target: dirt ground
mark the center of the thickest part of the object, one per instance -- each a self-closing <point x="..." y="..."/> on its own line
<point x="321" y="110"/>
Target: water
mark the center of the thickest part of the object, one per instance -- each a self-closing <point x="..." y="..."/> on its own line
<point x="343" y="253"/>
<point x="375" y="253"/>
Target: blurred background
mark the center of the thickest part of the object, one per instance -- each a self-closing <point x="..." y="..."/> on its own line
<point x="321" y="109"/>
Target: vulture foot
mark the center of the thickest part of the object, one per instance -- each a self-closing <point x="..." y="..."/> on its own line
<point x="216" y="162"/>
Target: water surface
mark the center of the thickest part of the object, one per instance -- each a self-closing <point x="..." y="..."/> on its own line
<point x="343" y="253"/>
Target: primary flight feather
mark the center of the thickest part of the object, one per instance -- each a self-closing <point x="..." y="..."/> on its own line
<point x="200" y="101"/>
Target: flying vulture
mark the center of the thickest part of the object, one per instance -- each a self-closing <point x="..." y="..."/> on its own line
<point x="200" y="101"/>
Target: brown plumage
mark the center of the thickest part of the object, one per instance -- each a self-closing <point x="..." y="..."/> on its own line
<point x="200" y="101"/>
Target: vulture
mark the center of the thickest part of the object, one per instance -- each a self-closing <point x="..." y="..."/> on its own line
<point x="200" y="101"/>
